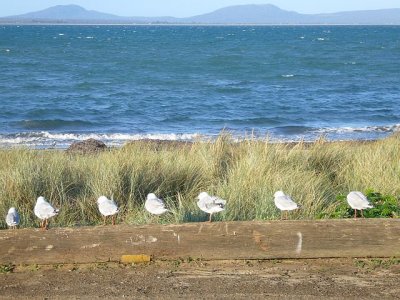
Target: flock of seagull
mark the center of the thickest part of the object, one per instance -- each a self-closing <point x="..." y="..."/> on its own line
<point x="156" y="206"/>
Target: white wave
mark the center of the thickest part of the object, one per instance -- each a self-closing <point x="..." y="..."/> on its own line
<point x="388" y="129"/>
<point x="63" y="140"/>
<point x="61" y="34"/>
<point x="320" y="39"/>
<point x="288" y="75"/>
<point x="90" y="37"/>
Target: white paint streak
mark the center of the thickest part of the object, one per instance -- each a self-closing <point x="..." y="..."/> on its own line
<point x="49" y="247"/>
<point x="200" y="229"/>
<point x="299" y="243"/>
<point x="140" y="239"/>
<point x="179" y="239"/>
<point x="151" y="239"/>
<point x="31" y="248"/>
<point x="226" y="228"/>
<point x="90" y="246"/>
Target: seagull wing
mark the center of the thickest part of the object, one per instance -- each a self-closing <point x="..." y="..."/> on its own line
<point x="285" y="203"/>
<point x="358" y="200"/>
<point x="44" y="210"/>
<point x="12" y="219"/>
<point x="108" y="208"/>
<point x="155" y="206"/>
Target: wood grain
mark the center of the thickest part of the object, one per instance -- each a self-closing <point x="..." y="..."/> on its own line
<point x="208" y="241"/>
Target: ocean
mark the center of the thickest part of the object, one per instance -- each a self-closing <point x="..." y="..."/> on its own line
<point x="60" y="84"/>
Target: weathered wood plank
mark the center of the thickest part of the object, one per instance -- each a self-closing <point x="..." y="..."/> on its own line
<point x="215" y="241"/>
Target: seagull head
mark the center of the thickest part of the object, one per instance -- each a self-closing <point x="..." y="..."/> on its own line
<point x="41" y="200"/>
<point x="203" y="195"/>
<point x="221" y="205"/>
<point x="151" y="196"/>
<point x="102" y="199"/>
<point x="12" y="210"/>
<point x="279" y="194"/>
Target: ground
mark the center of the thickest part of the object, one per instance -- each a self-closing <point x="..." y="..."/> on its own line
<point x="276" y="279"/>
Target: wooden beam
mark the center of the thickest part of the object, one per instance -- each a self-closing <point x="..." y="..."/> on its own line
<point x="208" y="241"/>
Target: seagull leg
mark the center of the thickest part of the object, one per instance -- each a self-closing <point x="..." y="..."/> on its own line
<point x="46" y="224"/>
<point x="355" y="214"/>
<point x="286" y="215"/>
<point x="104" y="220"/>
<point x="209" y="221"/>
<point x="281" y="215"/>
<point x="362" y="215"/>
<point x="113" y="219"/>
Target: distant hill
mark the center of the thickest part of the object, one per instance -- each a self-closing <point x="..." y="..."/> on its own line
<point x="67" y="12"/>
<point x="70" y="14"/>
<point x="249" y="14"/>
<point x="240" y="14"/>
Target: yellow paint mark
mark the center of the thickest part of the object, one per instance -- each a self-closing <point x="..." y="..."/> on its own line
<point x="135" y="259"/>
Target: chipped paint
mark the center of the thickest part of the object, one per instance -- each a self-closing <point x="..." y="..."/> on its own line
<point x="257" y="237"/>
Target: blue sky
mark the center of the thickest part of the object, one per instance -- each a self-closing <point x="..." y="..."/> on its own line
<point x="186" y="8"/>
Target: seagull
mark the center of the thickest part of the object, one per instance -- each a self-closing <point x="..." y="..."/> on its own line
<point x="43" y="210"/>
<point x="155" y="205"/>
<point x="107" y="208"/>
<point x="12" y="218"/>
<point x="284" y="203"/>
<point x="358" y="201"/>
<point x="210" y="204"/>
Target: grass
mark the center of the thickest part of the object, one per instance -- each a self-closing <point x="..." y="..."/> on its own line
<point x="377" y="263"/>
<point x="246" y="174"/>
<point x="5" y="269"/>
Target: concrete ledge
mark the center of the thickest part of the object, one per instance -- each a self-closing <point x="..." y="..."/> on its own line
<point x="215" y="241"/>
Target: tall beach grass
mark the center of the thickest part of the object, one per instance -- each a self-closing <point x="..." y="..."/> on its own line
<point x="246" y="174"/>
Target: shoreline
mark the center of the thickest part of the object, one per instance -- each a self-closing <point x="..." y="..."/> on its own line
<point x="181" y="142"/>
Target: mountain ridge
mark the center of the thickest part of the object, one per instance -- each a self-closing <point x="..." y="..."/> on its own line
<point x="262" y="14"/>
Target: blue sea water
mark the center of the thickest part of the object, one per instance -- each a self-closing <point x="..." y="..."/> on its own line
<point x="64" y="83"/>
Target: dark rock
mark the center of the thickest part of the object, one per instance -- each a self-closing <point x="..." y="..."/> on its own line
<point x="87" y="146"/>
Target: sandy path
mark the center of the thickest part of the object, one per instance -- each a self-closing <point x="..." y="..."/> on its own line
<point x="288" y="279"/>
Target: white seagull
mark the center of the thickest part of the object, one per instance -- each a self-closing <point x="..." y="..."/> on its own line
<point x="43" y="210"/>
<point x="155" y="205"/>
<point x="358" y="201"/>
<point x="107" y="207"/>
<point x="12" y="218"/>
<point x="210" y="204"/>
<point x="284" y="203"/>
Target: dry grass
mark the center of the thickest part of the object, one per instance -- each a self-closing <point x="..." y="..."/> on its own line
<point x="246" y="174"/>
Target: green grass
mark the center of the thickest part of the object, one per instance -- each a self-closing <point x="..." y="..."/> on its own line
<point x="246" y="174"/>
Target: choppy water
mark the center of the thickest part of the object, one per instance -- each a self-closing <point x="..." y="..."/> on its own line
<point x="64" y="83"/>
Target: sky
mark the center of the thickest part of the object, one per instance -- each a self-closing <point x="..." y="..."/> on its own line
<point x="187" y="8"/>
